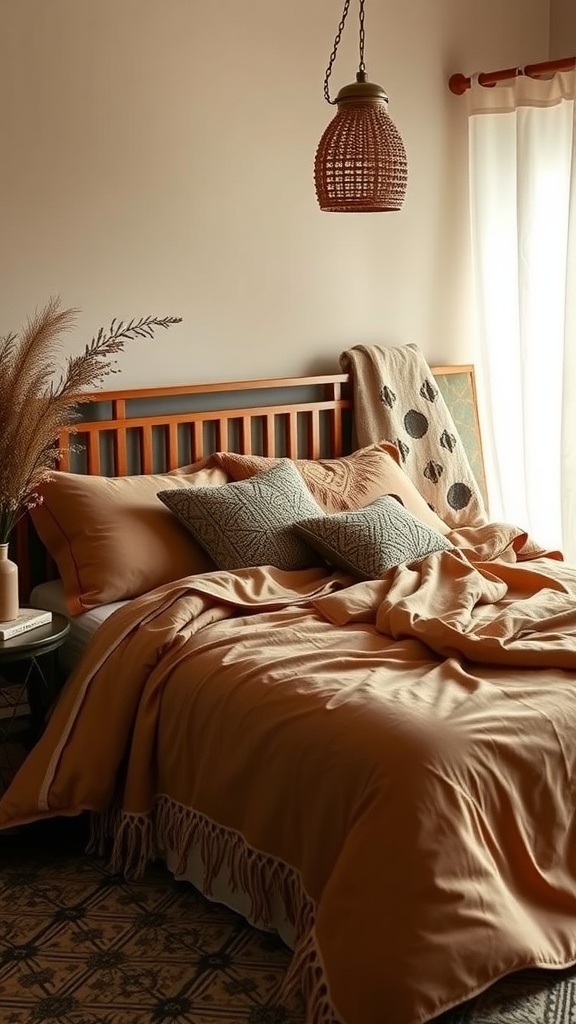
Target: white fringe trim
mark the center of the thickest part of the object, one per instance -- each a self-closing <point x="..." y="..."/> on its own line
<point x="137" y="838"/>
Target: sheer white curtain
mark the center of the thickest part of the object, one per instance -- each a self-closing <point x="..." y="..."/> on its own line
<point x="523" y="216"/>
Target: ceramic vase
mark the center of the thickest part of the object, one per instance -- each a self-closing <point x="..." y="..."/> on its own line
<point x="8" y="586"/>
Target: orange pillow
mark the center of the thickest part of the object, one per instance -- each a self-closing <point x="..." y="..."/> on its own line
<point x="347" y="483"/>
<point x="111" y="537"/>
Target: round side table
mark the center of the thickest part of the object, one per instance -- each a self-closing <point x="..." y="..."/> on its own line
<point x="28" y="690"/>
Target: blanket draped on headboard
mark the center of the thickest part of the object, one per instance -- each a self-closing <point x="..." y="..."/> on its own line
<point x="396" y="399"/>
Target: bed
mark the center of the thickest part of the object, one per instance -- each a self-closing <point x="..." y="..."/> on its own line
<point x="378" y="765"/>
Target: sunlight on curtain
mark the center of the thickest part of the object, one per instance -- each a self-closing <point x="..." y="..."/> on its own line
<point x="523" y="222"/>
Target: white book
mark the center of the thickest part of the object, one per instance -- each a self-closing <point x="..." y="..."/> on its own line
<point x="27" y="618"/>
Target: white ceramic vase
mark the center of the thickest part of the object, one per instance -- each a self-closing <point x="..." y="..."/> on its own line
<point x="8" y="586"/>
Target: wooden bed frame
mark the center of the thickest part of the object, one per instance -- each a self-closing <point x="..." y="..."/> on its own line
<point x="152" y="430"/>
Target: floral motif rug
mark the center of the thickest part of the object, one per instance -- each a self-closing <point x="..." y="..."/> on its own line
<point x="80" y="945"/>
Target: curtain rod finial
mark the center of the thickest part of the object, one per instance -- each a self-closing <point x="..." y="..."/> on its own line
<point x="458" y="84"/>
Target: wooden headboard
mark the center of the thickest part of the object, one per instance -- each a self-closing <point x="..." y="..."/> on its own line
<point x="153" y="430"/>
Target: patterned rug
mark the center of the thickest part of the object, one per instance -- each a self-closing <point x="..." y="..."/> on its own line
<point x="80" y="945"/>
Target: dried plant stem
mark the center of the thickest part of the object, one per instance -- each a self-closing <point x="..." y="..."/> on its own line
<point x="35" y="407"/>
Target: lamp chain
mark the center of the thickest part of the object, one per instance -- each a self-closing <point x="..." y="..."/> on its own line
<point x="333" y="54"/>
<point x="362" y="66"/>
<point x="362" y="36"/>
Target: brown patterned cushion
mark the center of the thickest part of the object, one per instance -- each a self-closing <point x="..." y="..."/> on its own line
<point x="369" y="541"/>
<point x="349" y="482"/>
<point x="249" y="522"/>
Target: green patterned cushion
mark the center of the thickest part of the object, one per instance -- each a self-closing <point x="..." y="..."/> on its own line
<point x="250" y="522"/>
<point x="371" y="540"/>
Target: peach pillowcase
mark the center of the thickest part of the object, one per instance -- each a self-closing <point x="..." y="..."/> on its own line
<point x="112" y="539"/>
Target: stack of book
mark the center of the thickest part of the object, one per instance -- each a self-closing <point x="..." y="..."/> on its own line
<point x="27" y="618"/>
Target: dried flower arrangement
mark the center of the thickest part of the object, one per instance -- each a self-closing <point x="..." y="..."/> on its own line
<point x="35" y="404"/>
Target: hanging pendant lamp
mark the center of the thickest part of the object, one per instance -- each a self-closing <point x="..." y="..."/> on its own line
<point x="360" y="164"/>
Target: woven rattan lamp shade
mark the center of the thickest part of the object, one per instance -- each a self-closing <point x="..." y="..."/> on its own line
<point x="360" y="164"/>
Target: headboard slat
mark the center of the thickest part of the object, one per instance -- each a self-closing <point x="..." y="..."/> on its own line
<point x="246" y="435"/>
<point x="292" y="435"/>
<point x="314" y="441"/>
<point x="197" y="441"/>
<point x="94" y="463"/>
<point x="268" y="434"/>
<point x="146" y="451"/>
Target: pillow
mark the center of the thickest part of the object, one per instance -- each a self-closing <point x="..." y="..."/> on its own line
<point x="111" y="538"/>
<point x="350" y="482"/>
<point x="250" y="522"/>
<point x="369" y="541"/>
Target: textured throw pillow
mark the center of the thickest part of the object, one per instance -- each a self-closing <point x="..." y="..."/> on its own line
<point x="111" y="538"/>
<point x="250" y="522"/>
<point x="369" y="541"/>
<point x="349" y="482"/>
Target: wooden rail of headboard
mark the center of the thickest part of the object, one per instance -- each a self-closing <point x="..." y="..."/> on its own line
<point x="147" y="430"/>
<point x="279" y="425"/>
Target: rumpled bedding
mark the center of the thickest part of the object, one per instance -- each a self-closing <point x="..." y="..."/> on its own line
<point x="394" y="759"/>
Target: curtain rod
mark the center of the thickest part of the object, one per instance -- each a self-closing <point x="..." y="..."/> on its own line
<point x="459" y="83"/>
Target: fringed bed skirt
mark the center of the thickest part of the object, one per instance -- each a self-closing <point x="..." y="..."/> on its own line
<point x="220" y="863"/>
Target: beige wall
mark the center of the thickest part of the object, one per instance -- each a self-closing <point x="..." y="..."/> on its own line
<point x="562" y="28"/>
<point x="157" y="158"/>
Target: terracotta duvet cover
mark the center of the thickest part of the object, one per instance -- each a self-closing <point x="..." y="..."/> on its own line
<point x="395" y="760"/>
